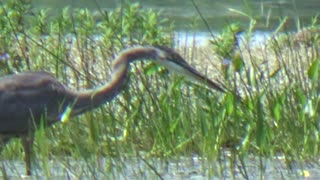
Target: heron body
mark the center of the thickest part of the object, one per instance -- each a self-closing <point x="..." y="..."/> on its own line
<point x="30" y="97"/>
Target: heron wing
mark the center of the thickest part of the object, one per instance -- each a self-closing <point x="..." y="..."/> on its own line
<point x="25" y="98"/>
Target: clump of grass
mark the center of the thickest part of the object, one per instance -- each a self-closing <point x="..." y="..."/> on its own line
<point x="280" y="83"/>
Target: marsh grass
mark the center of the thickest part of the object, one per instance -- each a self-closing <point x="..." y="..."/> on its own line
<point x="159" y="115"/>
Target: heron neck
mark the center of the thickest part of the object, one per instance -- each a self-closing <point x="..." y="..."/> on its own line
<point x="90" y="99"/>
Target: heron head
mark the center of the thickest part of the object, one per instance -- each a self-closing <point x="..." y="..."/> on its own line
<point x="173" y="61"/>
<point x="170" y="59"/>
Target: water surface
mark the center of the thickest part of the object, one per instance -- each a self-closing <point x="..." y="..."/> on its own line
<point x="217" y="13"/>
<point x="194" y="167"/>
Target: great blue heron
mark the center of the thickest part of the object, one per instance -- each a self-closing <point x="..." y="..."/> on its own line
<point x="27" y="98"/>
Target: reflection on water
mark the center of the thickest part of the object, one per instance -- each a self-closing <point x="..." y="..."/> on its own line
<point x="181" y="168"/>
<point x="216" y="12"/>
<point x="203" y="38"/>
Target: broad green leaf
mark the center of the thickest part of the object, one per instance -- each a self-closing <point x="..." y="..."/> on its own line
<point x="313" y="70"/>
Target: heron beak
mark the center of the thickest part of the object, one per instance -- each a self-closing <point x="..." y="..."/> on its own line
<point x="190" y="73"/>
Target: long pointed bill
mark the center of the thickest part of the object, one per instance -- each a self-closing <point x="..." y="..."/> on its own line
<point x="182" y="67"/>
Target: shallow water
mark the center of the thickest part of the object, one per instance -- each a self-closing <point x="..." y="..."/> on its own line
<point x="155" y="168"/>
